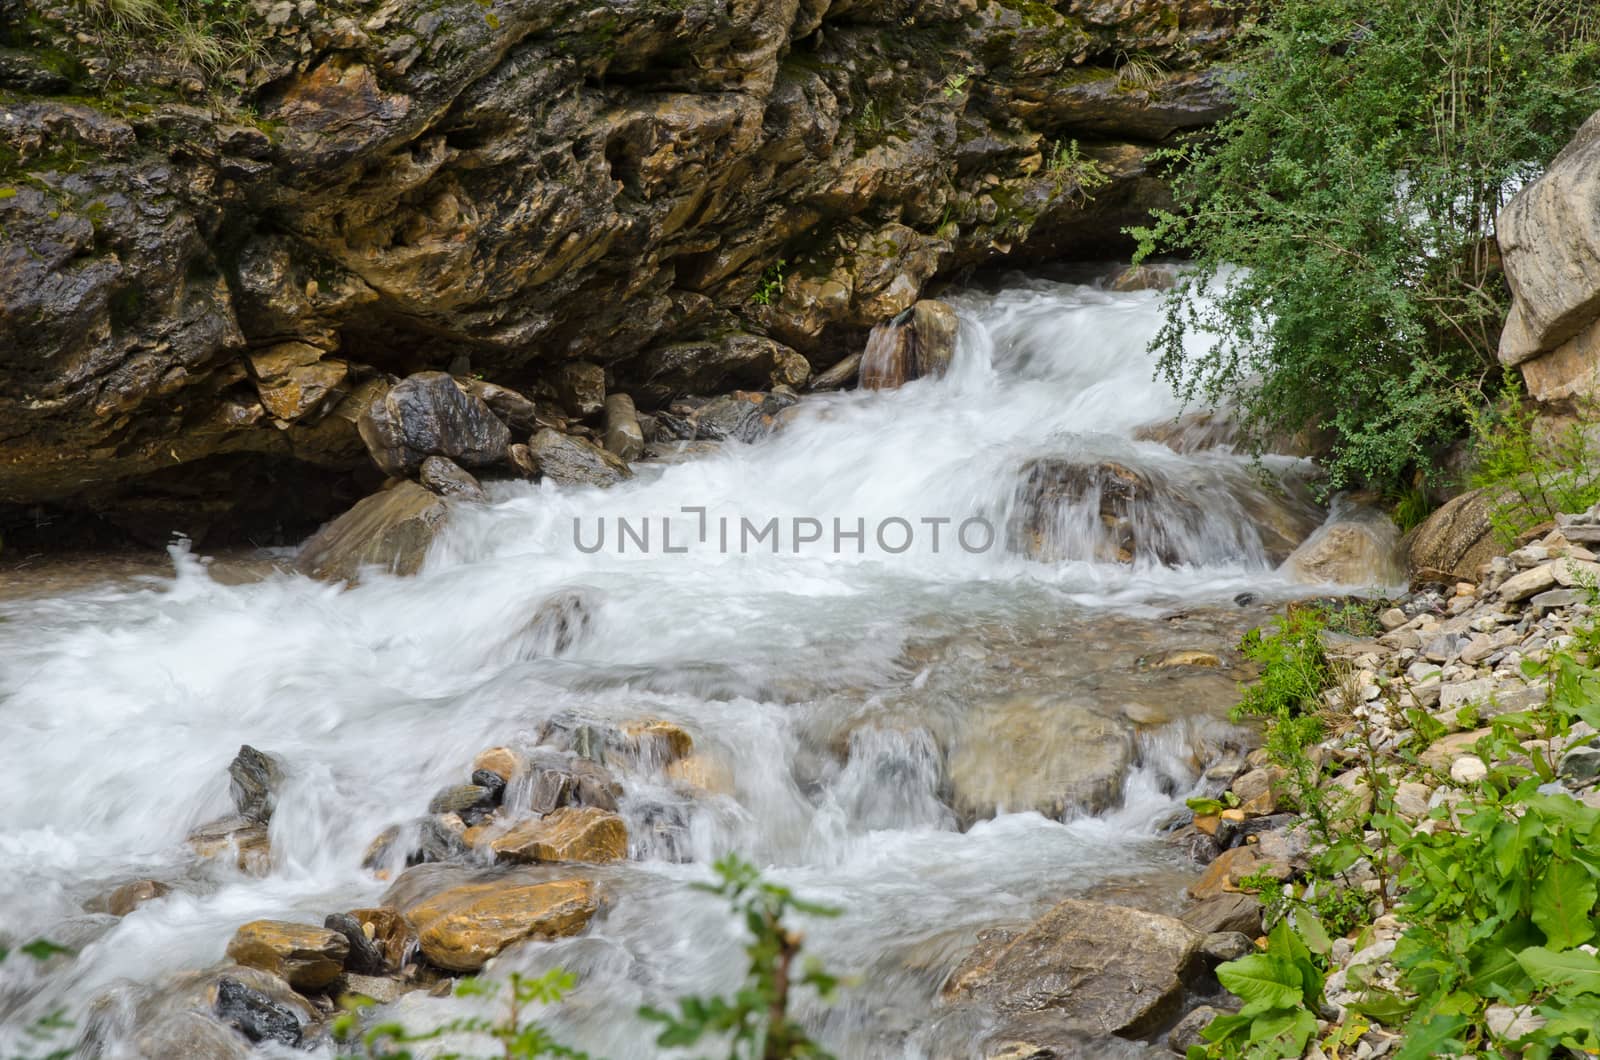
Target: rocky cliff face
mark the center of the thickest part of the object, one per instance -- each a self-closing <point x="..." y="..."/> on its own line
<point x="199" y="292"/>
<point x="1550" y="240"/>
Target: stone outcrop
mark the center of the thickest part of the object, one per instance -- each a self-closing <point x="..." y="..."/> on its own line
<point x="1456" y="540"/>
<point x="198" y="304"/>
<point x="462" y="927"/>
<point x="1550" y="244"/>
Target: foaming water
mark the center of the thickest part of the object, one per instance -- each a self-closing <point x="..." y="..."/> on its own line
<point x="121" y="706"/>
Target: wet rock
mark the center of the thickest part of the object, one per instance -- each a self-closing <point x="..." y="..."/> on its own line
<point x="566" y="834"/>
<point x="501" y="762"/>
<point x="391" y="531"/>
<point x="570" y="461"/>
<point x="307" y="958"/>
<point x="1231" y="866"/>
<point x="624" y="437"/>
<point x="581" y="387"/>
<point x="471" y="801"/>
<point x="391" y="931"/>
<point x="1454" y="541"/>
<point x="657" y="743"/>
<point x="253" y="781"/>
<point x="1187" y="657"/>
<point x="439" y="837"/>
<point x="378" y="989"/>
<point x="557" y="778"/>
<point x="839" y="376"/>
<point x="448" y="479"/>
<point x="194" y="1034"/>
<point x="1108" y="968"/>
<point x="255" y="1015"/>
<point x="1354" y="547"/>
<point x="428" y="414"/>
<point x="743" y="416"/>
<point x="1223" y="946"/>
<point x="918" y="343"/>
<point x="491" y="781"/>
<point x="244" y="839"/>
<point x="366" y="956"/>
<point x="130" y="896"/>
<point x="1058" y="758"/>
<point x="562" y="620"/>
<point x="462" y="927"/>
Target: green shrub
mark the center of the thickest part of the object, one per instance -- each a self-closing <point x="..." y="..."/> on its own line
<point x="1533" y="477"/>
<point x="1343" y="218"/>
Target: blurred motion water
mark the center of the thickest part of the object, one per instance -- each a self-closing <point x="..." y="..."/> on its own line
<point x="830" y="689"/>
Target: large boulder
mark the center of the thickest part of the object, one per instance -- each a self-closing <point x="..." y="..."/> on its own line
<point x="1550" y="244"/>
<point x="1106" y="968"/>
<point x="1057" y="757"/>
<point x="462" y="927"/>
<point x="428" y="414"/>
<point x="1456" y="540"/>
<point x="391" y="530"/>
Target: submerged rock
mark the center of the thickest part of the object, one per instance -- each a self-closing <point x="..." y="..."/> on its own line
<point x="1059" y="758"/>
<point x="1356" y="546"/>
<point x="391" y="531"/>
<point x="1109" y="969"/>
<point x="253" y="781"/>
<point x="743" y="416"/>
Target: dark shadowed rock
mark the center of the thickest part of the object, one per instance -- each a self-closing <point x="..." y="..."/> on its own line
<point x="513" y="409"/>
<point x="1111" y="969"/>
<point x="428" y="414"/>
<point x="308" y="958"/>
<point x="366" y="956"/>
<point x="255" y="1015"/>
<point x="582" y="388"/>
<point x="571" y="461"/>
<point x="391" y="530"/>
<point x="743" y="416"/>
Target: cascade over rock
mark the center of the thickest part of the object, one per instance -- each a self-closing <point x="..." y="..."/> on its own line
<point x="198" y="304"/>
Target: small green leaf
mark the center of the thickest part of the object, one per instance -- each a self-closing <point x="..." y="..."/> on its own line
<point x="1263" y="977"/>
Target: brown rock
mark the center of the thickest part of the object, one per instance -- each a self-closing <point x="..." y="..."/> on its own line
<point x="503" y="762"/>
<point x="464" y="926"/>
<point x="243" y="839"/>
<point x="568" y="834"/>
<point x="308" y="958"/>
<point x="624" y="438"/>
<point x="1231" y="866"/>
<point x="659" y="743"/>
<point x="1027" y="753"/>
<point x="1225" y="912"/>
<point x="1455" y="540"/>
<point x="130" y="896"/>
<point x="391" y="930"/>
<point x="582" y="388"/>
<point x="1111" y="969"/>
<point x="919" y="342"/>
<point x="391" y="530"/>
<point x="1188" y="658"/>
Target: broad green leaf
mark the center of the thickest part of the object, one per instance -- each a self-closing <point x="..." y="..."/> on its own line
<point x="1573" y="970"/>
<point x="1562" y="904"/>
<point x="1426" y="1036"/>
<point x="1282" y="1034"/>
<point x="1263" y="977"/>
<point x="1311" y="930"/>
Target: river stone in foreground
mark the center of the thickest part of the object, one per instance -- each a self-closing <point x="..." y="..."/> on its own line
<point x="1030" y="754"/>
<point x="570" y="461"/>
<point x="392" y="530"/>
<point x="462" y="927"/>
<point x="308" y="958"/>
<point x="1109" y="969"/>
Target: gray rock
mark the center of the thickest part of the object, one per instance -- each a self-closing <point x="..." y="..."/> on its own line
<point x="1118" y="970"/>
<point x="743" y="416"/>
<point x="448" y="479"/>
<point x="1187" y="1031"/>
<point x="1226" y="946"/>
<point x="253" y="781"/>
<point x="428" y="414"/>
<point x="838" y="376"/>
<point x="624" y="436"/>
<point x="1581" y="764"/>
<point x="512" y="408"/>
<point x="391" y="530"/>
<point x="571" y="461"/>
<point x="255" y="1015"/>
<point x="1226" y="913"/>
<point x="365" y="956"/>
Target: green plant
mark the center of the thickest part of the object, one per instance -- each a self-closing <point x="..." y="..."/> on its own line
<point x="1139" y="72"/>
<point x="1342" y="219"/>
<point x="1282" y="991"/>
<point x="1073" y="173"/>
<point x="1532" y="477"/>
<point x="770" y="289"/>
<point x="213" y="38"/>
<point x="955" y="84"/>
<point x="47" y="1031"/>
<point x="756" y="1019"/>
<point x="519" y="1037"/>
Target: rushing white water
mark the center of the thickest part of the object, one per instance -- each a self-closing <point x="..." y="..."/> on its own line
<point x="120" y="707"/>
